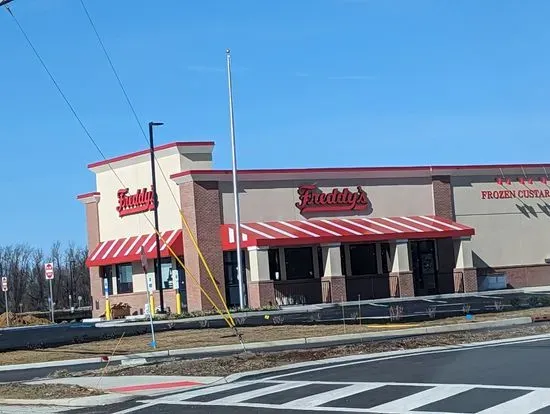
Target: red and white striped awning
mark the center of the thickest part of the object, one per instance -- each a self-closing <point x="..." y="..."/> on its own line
<point x="129" y="248"/>
<point x="300" y="232"/>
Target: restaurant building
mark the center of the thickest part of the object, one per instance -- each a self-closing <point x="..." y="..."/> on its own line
<point x="314" y="235"/>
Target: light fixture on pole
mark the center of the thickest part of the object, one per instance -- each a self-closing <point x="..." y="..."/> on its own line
<point x="158" y="274"/>
<point x="235" y="183"/>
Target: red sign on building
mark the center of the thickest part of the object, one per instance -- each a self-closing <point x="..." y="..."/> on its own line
<point x="134" y="203"/>
<point x="312" y="199"/>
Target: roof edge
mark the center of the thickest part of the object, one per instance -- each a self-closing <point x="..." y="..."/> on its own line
<point x="146" y="151"/>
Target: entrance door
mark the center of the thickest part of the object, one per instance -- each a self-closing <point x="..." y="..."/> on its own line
<point x="231" y="279"/>
<point x="424" y="267"/>
<point x="182" y="285"/>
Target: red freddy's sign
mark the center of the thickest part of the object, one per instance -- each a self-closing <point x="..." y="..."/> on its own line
<point x="312" y="199"/>
<point x="136" y="203"/>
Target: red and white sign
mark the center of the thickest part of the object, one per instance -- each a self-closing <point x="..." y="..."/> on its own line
<point x="4" y="284"/>
<point x="312" y="199"/>
<point x="48" y="267"/>
<point x="136" y="203"/>
<point x="525" y="190"/>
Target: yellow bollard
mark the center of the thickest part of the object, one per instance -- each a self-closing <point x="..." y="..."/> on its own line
<point x="107" y="309"/>
<point x="151" y="304"/>
<point x="178" y="302"/>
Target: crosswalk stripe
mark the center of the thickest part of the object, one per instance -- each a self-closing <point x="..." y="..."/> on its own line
<point x="205" y="391"/>
<point x="420" y="399"/>
<point x="325" y="397"/>
<point x="528" y="403"/>
<point x="248" y="395"/>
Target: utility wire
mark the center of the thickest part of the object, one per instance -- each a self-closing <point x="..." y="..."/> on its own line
<point x="89" y="135"/>
<point x="128" y="100"/>
<point x="201" y="256"/>
<point x="113" y="69"/>
<point x="72" y="109"/>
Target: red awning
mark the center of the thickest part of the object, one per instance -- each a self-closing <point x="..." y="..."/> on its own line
<point x="299" y="232"/>
<point x="128" y="249"/>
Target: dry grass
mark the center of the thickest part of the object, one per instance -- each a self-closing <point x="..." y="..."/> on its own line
<point x="208" y="337"/>
<point x="44" y="391"/>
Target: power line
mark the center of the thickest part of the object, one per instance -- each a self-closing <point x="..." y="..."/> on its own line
<point x="72" y="109"/>
<point x="113" y="69"/>
<point x="128" y="100"/>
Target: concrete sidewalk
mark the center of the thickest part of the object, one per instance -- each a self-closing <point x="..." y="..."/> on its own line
<point x="146" y="385"/>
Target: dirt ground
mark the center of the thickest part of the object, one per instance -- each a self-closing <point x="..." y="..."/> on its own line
<point x="223" y="366"/>
<point x="209" y="337"/>
<point x="44" y="391"/>
<point x="17" y="319"/>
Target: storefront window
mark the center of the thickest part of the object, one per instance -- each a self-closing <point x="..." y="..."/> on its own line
<point x="386" y="258"/>
<point x="274" y="264"/>
<point x="124" y="277"/>
<point x="166" y="273"/>
<point x="299" y="263"/>
<point x="343" y="260"/>
<point x="106" y="272"/>
<point x="363" y="259"/>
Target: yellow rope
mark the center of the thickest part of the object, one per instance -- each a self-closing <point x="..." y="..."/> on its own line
<point x="206" y="266"/>
<point x="229" y="321"/>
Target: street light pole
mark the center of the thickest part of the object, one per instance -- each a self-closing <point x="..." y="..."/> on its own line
<point x="5" y="2"/>
<point x="158" y="274"/>
<point x="235" y="184"/>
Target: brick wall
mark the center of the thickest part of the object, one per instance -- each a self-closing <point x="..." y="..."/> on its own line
<point x="525" y="276"/>
<point x="401" y="284"/>
<point x="261" y="294"/>
<point x="200" y="202"/>
<point x="443" y="197"/>
<point x="338" y="291"/>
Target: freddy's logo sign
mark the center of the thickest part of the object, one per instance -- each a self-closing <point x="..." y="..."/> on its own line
<point x="312" y="199"/>
<point x="134" y="203"/>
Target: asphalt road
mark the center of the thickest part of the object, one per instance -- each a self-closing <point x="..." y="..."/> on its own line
<point x="495" y="378"/>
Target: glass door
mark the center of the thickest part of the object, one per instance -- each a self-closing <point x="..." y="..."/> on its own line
<point x="231" y="279"/>
<point x="424" y="267"/>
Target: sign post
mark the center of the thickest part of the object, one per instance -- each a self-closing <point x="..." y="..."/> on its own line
<point x="150" y="304"/>
<point x="48" y="269"/>
<point x="176" y="283"/>
<point x="5" y="289"/>
<point x="108" y="315"/>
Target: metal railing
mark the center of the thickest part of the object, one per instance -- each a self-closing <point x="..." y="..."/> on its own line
<point x="298" y="292"/>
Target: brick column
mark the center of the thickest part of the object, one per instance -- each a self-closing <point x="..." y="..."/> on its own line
<point x="465" y="274"/>
<point x="443" y="196"/>
<point x="91" y="201"/>
<point x="260" y="288"/>
<point x="331" y="273"/>
<point x="200" y="203"/>
<point x="401" y="277"/>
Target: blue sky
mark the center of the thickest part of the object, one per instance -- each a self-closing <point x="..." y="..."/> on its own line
<point x="316" y="83"/>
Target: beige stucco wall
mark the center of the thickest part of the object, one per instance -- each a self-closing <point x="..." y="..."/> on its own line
<point x="509" y="232"/>
<point x="138" y="176"/>
<point x="267" y="201"/>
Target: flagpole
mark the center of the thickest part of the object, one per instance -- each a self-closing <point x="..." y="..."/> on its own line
<point x="235" y="186"/>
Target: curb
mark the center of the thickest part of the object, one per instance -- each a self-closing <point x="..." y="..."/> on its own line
<point x="317" y="341"/>
<point x="76" y="402"/>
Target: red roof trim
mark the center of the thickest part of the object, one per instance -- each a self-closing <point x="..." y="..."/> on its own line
<point x="342" y="229"/>
<point x="146" y="151"/>
<point x="359" y="169"/>
<point x="86" y="195"/>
